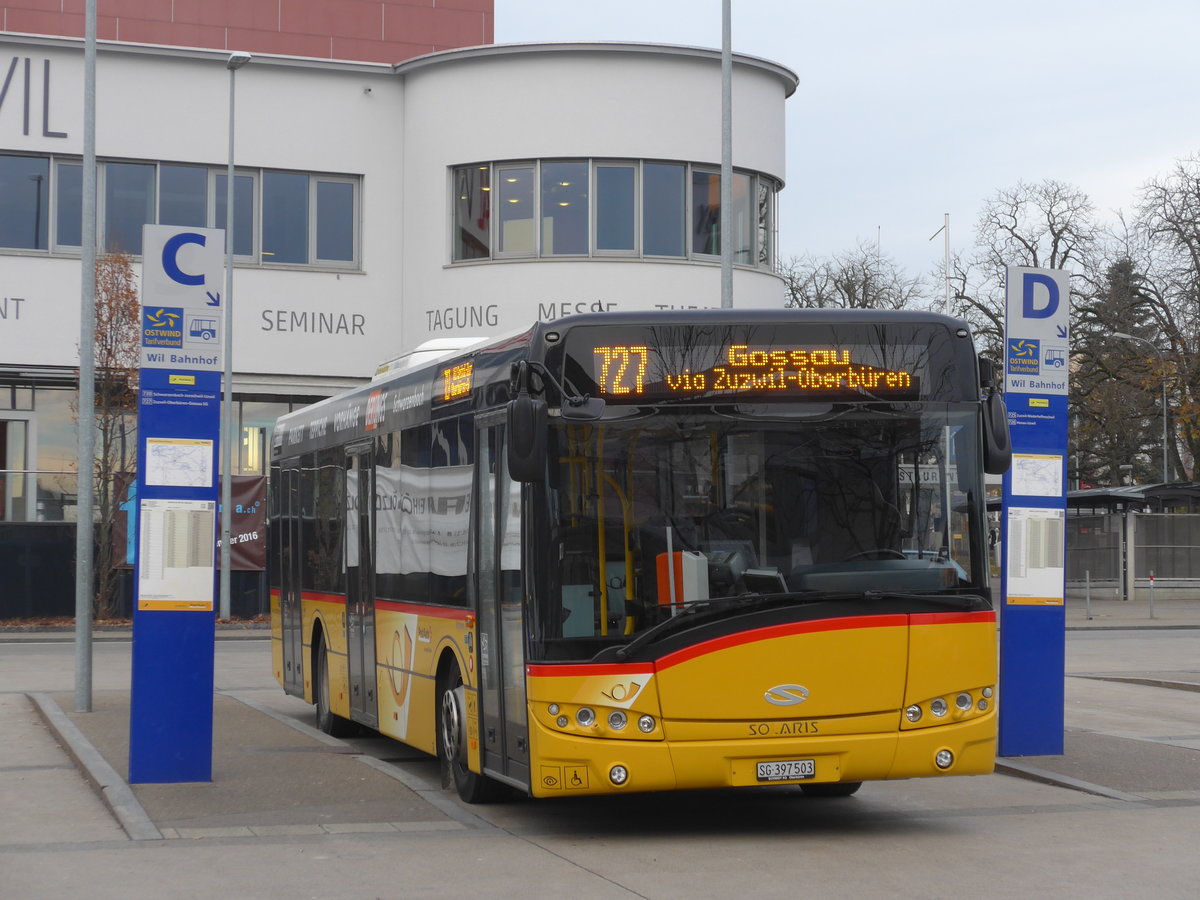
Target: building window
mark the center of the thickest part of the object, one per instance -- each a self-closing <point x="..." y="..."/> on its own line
<point x="706" y="213"/>
<point x="257" y="425"/>
<point x="296" y="218"/>
<point x="555" y="208"/>
<point x="69" y="204"/>
<point x="285" y="217"/>
<point x="743" y="221"/>
<point x="183" y="196"/>
<point x="335" y="220"/>
<point x="765" y="221"/>
<point x="616" y="220"/>
<point x="472" y="213"/>
<point x="516" y="211"/>
<point x="243" y="210"/>
<point x="128" y="205"/>
<point x="24" y="197"/>
<point x="663" y="203"/>
<point x="564" y="208"/>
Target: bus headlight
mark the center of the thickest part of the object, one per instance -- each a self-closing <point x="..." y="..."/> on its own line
<point x="938" y="707"/>
<point x="585" y="717"/>
<point x="944" y="759"/>
<point x="618" y="775"/>
<point x="912" y="713"/>
<point x="617" y="720"/>
<point x="646" y="724"/>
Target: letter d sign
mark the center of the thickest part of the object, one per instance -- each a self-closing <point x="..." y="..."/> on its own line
<point x="1030" y="295"/>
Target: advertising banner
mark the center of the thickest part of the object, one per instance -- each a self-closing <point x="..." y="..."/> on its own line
<point x="248" y="541"/>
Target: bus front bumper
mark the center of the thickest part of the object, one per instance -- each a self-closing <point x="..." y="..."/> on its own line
<point x="568" y="765"/>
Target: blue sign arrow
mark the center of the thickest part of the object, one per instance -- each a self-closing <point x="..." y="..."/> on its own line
<point x="215" y="300"/>
<point x="1062" y="331"/>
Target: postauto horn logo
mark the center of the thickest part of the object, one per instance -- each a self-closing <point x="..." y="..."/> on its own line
<point x="162" y="326"/>
<point x="786" y="694"/>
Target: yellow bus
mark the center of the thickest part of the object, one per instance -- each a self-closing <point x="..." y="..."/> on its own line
<point x="652" y="551"/>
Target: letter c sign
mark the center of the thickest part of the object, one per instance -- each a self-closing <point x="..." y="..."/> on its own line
<point x="1029" y="307"/>
<point x="171" y="250"/>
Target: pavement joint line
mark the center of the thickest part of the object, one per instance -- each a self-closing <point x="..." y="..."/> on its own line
<point x="114" y="792"/>
<point x="1033" y="773"/>
<point x="1147" y="681"/>
<point x="436" y="798"/>
<point x="334" y="828"/>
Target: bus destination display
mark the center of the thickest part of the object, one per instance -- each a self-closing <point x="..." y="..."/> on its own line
<point x="454" y="383"/>
<point x="629" y="372"/>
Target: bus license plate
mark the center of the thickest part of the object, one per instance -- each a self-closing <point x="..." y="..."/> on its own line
<point x="787" y="770"/>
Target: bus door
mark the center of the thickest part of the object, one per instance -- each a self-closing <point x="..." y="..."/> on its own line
<point x="499" y="589"/>
<point x="360" y="583"/>
<point x="290" y="614"/>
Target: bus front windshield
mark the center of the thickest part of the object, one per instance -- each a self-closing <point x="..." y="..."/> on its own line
<point x="855" y="500"/>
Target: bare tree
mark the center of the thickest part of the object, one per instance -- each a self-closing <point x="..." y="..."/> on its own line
<point x="1167" y="229"/>
<point x="1044" y="225"/>
<point x="115" y="464"/>
<point x="861" y="278"/>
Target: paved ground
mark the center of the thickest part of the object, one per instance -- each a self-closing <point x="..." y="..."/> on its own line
<point x="275" y="777"/>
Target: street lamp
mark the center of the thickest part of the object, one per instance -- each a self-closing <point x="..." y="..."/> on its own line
<point x="237" y="59"/>
<point x="1133" y="337"/>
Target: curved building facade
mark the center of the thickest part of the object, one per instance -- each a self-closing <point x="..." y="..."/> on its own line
<point x="376" y="207"/>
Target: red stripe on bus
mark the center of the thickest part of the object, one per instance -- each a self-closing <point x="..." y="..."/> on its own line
<point x="323" y="598"/>
<point x="733" y="640"/>
<point x="441" y="612"/>
<point x="777" y="631"/>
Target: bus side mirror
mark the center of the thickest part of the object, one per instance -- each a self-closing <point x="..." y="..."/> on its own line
<point x="997" y="442"/>
<point x="987" y="372"/>
<point x="526" y="438"/>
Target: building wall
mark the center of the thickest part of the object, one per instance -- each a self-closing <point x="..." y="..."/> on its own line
<point x="571" y="101"/>
<point x="396" y="133"/>
<point x="308" y="118"/>
<point x="368" y="30"/>
<point x="400" y="132"/>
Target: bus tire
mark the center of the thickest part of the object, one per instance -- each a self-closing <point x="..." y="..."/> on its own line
<point x="327" y="721"/>
<point x="832" y="789"/>
<point x="452" y="741"/>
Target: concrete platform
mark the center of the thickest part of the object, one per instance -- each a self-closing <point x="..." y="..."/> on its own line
<point x="272" y="776"/>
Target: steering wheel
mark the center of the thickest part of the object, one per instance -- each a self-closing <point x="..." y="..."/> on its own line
<point x="877" y="553"/>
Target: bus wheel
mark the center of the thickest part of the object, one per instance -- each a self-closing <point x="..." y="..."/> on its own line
<point x="452" y="741"/>
<point x="834" y="789"/>
<point x="326" y="720"/>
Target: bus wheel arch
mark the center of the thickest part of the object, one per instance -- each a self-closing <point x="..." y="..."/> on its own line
<point x="451" y="732"/>
<point x="327" y="721"/>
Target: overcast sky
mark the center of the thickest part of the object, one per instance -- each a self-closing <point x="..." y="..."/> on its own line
<point x="909" y="109"/>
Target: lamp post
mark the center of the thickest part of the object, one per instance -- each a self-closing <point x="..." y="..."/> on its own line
<point x="236" y="60"/>
<point x="1133" y="337"/>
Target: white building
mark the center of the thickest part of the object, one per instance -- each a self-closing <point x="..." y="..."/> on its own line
<point x="465" y="192"/>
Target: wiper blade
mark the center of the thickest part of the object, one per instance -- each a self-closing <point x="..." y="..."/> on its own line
<point x="957" y="601"/>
